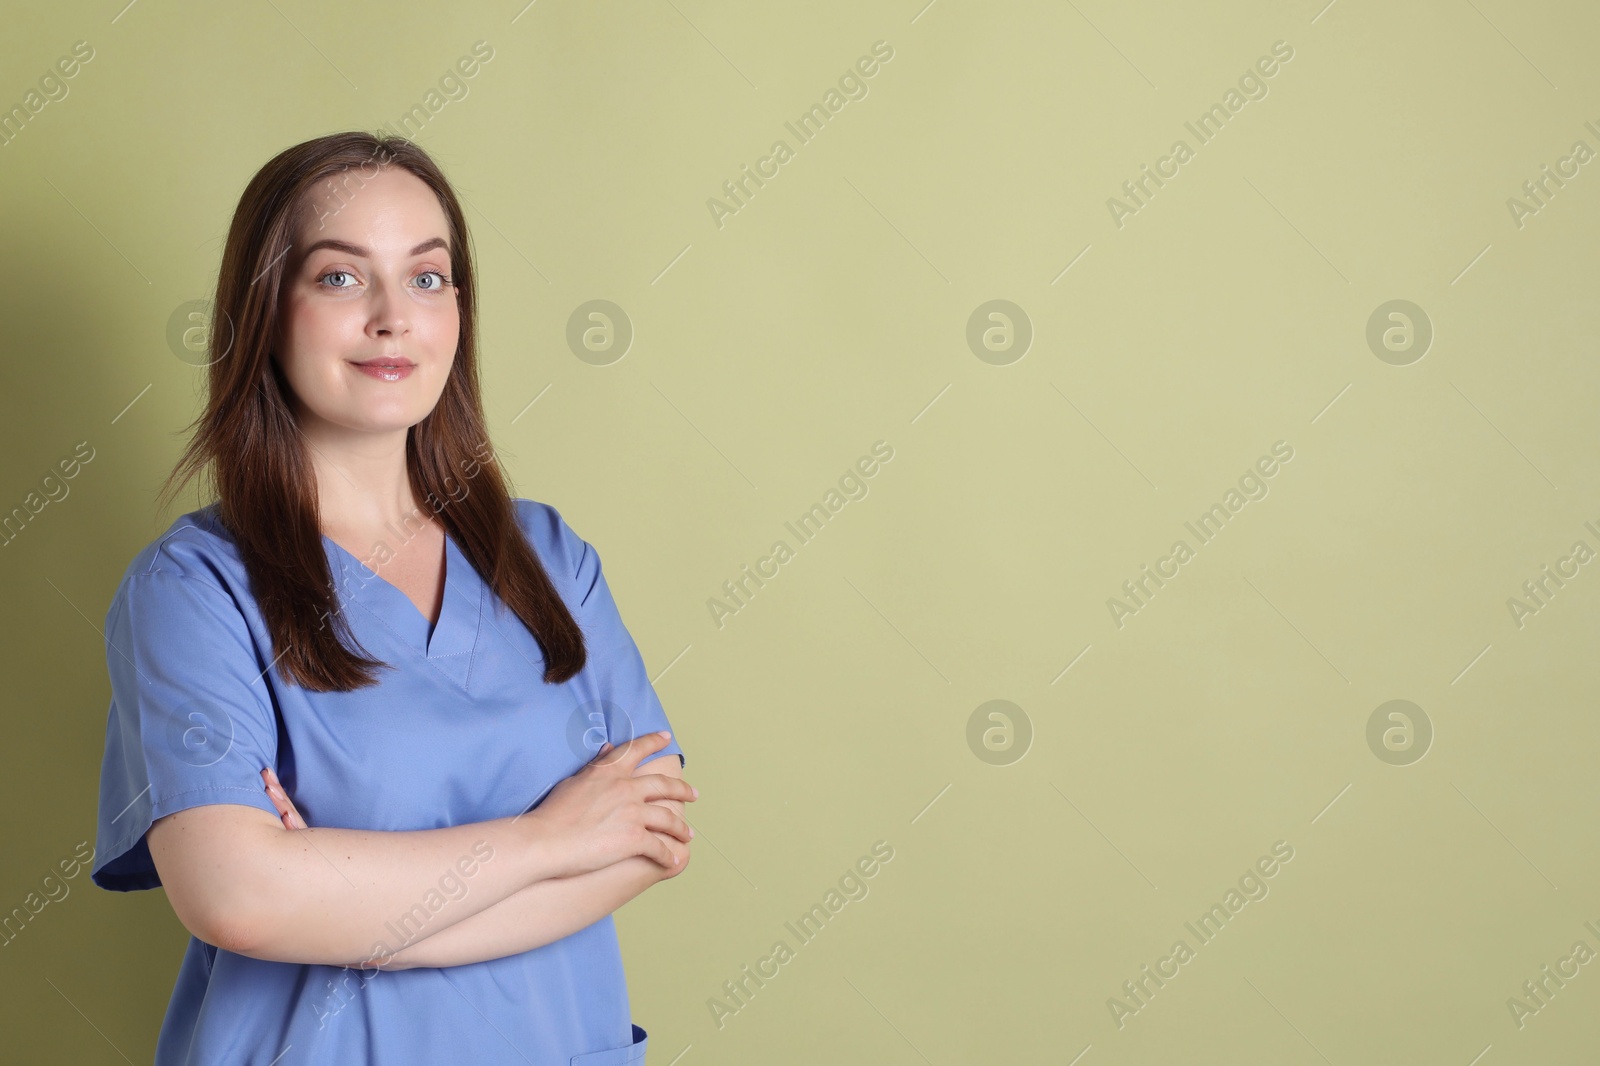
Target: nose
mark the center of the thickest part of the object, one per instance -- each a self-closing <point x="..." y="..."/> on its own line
<point x="388" y="317"/>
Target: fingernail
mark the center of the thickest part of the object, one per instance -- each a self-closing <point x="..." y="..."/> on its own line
<point x="666" y="734"/>
<point x="696" y="791"/>
<point x="691" y="832"/>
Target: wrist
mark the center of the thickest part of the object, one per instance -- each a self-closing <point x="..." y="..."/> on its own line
<point x="539" y="854"/>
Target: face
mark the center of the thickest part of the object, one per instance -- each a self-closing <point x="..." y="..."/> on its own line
<point x="370" y="317"/>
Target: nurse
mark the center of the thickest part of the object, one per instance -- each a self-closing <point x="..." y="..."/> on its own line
<point x="376" y="725"/>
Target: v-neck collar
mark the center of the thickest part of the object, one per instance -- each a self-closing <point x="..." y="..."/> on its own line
<point x="456" y="631"/>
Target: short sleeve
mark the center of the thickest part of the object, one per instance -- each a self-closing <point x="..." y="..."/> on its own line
<point x="190" y="723"/>
<point x="632" y="707"/>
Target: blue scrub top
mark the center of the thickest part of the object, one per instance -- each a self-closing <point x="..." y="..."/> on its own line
<point x="464" y="729"/>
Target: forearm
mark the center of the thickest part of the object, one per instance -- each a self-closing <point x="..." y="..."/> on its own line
<point x="538" y="914"/>
<point x="327" y="896"/>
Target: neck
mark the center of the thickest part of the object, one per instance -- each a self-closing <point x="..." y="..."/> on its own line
<point x="362" y="481"/>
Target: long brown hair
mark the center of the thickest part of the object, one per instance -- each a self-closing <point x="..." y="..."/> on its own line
<point x="249" y="437"/>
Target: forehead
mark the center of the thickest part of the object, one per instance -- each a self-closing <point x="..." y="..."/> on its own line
<point x="388" y="213"/>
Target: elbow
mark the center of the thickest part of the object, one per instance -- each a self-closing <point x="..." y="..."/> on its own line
<point x="231" y="933"/>
<point x="218" y="865"/>
<point x="228" y="919"/>
<point x="230" y="923"/>
<point x="228" y="929"/>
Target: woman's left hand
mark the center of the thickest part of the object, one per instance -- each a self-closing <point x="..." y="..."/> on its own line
<point x="280" y="799"/>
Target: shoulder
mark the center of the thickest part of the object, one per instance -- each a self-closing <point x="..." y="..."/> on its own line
<point x="558" y="546"/>
<point x="196" y="550"/>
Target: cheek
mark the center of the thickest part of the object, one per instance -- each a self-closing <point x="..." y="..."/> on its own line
<point x="313" y="334"/>
<point x="444" y="330"/>
<point x="300" y="331"/>
<point x="310" y="347"/>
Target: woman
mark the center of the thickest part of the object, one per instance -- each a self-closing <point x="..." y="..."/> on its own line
<point x="366" y="621"/>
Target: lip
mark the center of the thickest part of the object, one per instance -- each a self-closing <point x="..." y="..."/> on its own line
<point x="386" y="368"/>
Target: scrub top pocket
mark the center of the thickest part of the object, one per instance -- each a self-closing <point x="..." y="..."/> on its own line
<point x="617" y="1056"/>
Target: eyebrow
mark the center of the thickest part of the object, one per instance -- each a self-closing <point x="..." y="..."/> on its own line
<point x="357" y="250"/>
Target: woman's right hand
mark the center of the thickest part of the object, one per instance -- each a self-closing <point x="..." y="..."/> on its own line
<point x="603" y="813"/>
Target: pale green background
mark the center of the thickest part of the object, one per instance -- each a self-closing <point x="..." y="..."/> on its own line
<point x="830" y="313"/>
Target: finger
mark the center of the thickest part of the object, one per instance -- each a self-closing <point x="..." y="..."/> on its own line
<point x="275" y="792"/>
<point x="665" y="786"/>
<point x="679" y="850"/>
<point x="280" y="800"/>
<point x="632" y="752"/>
<point x="664" y="820"/>
<point x="661" y="852"/>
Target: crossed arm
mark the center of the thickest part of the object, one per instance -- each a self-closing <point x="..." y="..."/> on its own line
<point x="538" y="914"/>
